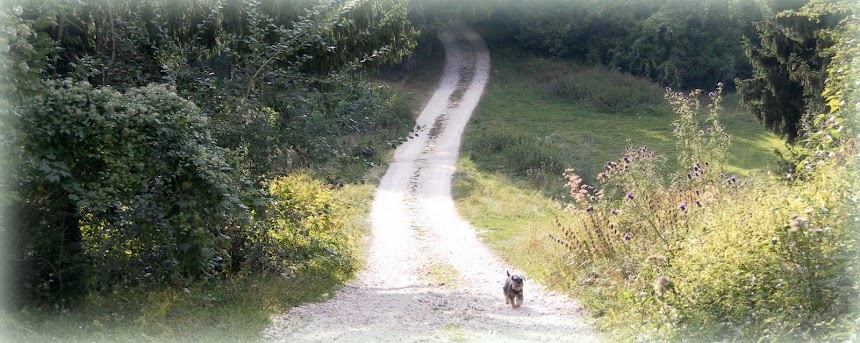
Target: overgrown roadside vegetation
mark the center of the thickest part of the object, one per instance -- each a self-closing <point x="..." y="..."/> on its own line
<point x="186" y="178"/>
<point x="671" y="239"/>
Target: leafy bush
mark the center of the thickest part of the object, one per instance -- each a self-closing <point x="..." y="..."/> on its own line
<point x="303" y="230"/>
<point x="675" y="43"/>
<point x="119" y="187"/>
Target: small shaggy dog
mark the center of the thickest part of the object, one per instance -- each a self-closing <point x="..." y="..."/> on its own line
<point x="514" y="290"/>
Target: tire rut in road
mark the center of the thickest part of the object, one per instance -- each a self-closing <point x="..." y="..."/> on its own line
<point x="428" y="277"/>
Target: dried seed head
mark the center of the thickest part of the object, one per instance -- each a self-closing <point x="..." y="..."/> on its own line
<point x="661" y="284"/>
<point x="657" y="259"/>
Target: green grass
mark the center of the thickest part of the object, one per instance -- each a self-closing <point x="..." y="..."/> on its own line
<point x="525" y="133"/>
<point x="229" y="311"/>
<point x="523" y="129"/>
<point x="514" y="221"/>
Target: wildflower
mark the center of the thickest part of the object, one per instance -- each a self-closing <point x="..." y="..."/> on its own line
<point x="697" y="192"/>
<point x="602" y="177"/>
<point x="722" y="175"/>
<point x="719" y="85"/>
<point x="626" y="236"/>
<point x="589" y="209"/>
<point x="698" y="204"/>
<point x="711" y="95"/>
<point x="683" y="206"/>
<point x="613" y="212"/>
<point x="773" y="240"/>
<point x="629" y="196"/>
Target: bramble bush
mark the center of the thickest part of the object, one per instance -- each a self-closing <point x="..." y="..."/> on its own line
<point x="699" y="255"/>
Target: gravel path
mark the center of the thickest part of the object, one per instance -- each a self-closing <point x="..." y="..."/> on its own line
<point x="429" y="278"/>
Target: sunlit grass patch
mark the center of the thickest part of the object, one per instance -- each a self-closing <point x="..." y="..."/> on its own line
<point x="661" y="250"/>
<point x="522" y="129"/>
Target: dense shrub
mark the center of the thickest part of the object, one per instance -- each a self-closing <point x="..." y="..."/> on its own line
<point x="674" y="43"/>
<point x="699" y="255"/>
<point x="519" y="152"/>
<point x="119" y="187"/>
<point x="304" y="229"/>
<point x="117" y="180"/>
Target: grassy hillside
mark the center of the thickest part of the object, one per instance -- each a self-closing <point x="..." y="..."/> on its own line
<point x="538" y="117"/>
<point x="645" y="265"/>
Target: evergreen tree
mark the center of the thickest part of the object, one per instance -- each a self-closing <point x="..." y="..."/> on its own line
<point x="790" y="63"/>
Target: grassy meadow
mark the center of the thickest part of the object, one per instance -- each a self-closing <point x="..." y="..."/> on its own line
<point x="652" y="265"/>
<point x="539" y="116"/>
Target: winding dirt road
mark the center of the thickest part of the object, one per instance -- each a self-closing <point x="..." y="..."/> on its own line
<point x="429" y="278"/>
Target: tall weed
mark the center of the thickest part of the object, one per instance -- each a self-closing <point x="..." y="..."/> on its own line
<point x="700" y="255"/>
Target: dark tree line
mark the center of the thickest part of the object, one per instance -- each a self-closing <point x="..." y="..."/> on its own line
<point x="775" y="53"/>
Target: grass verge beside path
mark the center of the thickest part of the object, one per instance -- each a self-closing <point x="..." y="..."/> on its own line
<point x="533" y="122"/>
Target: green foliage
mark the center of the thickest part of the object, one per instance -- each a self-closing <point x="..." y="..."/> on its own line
<point x="598" y="87"/>
<point x="119" y="187"/>
<point x="294" y="96"/>
<point x="675" y="43"/>
<point x="304" y="230"/>
<point x="698" y="255"/>
<point x="125" y="181"/>
<point x="519" y="152"/>
<point x="790" y="64"/>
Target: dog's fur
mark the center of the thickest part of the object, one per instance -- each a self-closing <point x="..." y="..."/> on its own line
<point x="514" y="290"/>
